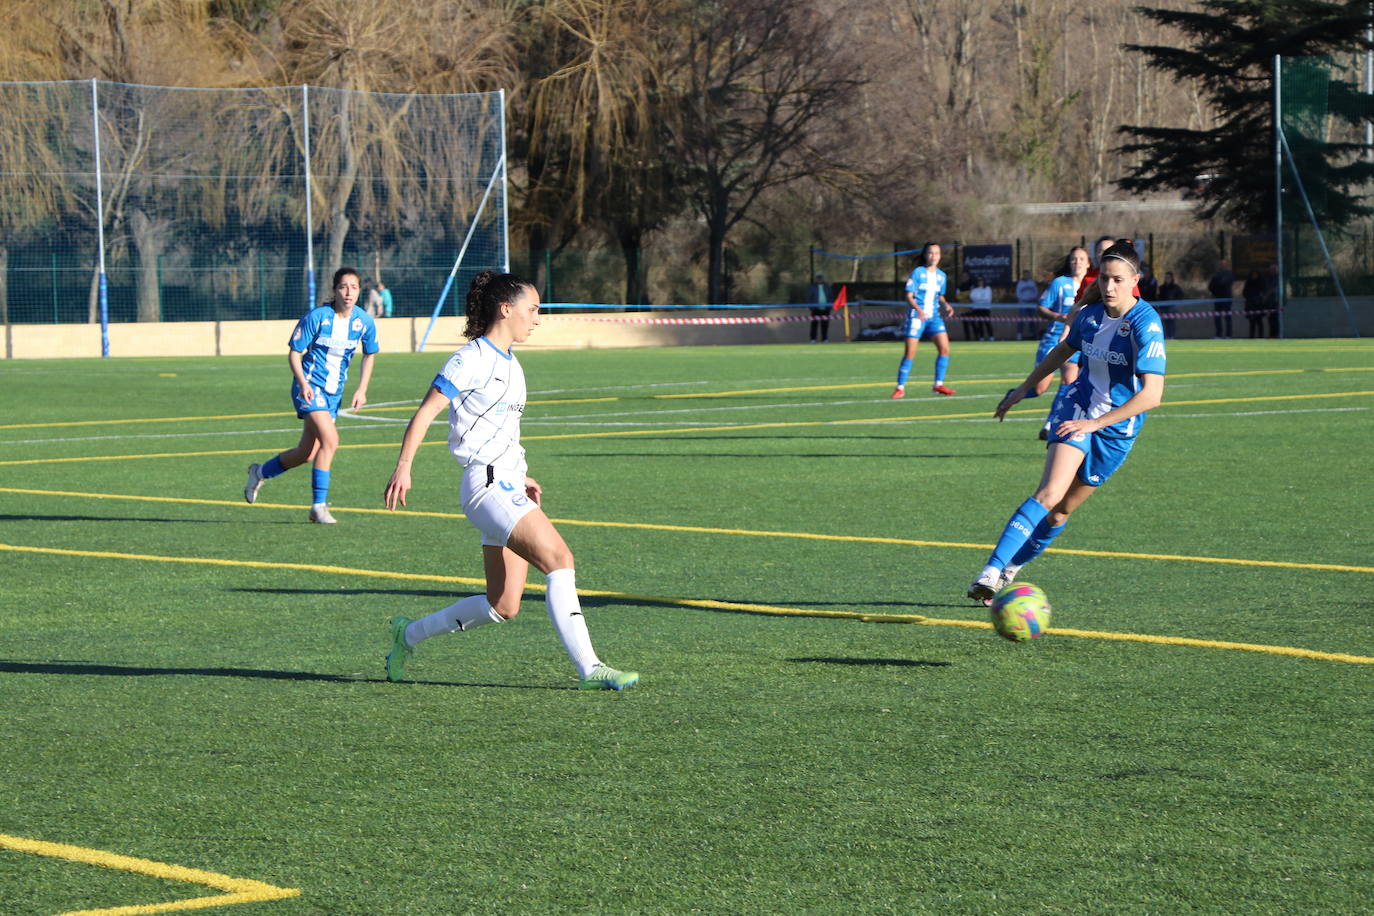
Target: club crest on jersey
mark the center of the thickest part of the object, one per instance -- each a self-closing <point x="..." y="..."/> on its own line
<point x="357" y="324"/>
<point x="1124" y="330"/>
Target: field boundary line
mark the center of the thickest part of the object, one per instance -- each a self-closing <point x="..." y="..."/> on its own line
<point x="743" y="427"/>
<point x="391" y="405"/>
<point x="709" y="604"/>
<point x="237" y="890"/>
<point x="741" y="532"/>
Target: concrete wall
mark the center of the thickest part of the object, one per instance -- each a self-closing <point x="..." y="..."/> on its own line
<point x="398" y="335"/>
<point x="1325" y="316"/>
<point x="1309" y="317"/>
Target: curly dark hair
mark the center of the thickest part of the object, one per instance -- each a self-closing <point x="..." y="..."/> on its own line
<point x="489" y="291"/>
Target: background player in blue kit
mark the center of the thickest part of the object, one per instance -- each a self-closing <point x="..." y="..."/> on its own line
<point x="319" y="351"/>
<point x="925" y="290"/>
<point x="1097" y="418"/>
<point x="1055" y="305"/>
<point x="483" y="388"/>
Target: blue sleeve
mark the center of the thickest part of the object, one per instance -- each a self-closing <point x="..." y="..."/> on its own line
<point x="370" y="344"/>
<point x="1075" y="336"/>
<point x="307" y="329"/>
<point x="1047" y="299"/>
<point x="911" y="282"/>
<point x="1149" y="341"/>
<point x="445" y="387"/>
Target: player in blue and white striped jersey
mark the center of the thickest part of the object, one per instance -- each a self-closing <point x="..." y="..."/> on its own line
<point x="483" y="388"/>
<point x="320" y="349"/>
<point x="1096" y="420"/>
<point x="928" y="309"/>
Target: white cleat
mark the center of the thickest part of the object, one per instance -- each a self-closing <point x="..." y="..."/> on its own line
<point x="319" y="514"/>
<point x="984" y="587"/>
<point x="255" y="482"/>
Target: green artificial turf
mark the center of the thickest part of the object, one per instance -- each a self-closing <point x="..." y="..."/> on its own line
<point x="232" y="717"/>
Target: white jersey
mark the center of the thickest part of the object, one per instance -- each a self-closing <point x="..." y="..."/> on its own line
<point x="485" y="387"/>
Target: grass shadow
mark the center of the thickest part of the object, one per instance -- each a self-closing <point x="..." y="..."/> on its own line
<point x="84" y="668"/>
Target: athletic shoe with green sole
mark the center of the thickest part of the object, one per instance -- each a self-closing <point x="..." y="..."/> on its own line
<point x="607" y="678"/>
<point x="400" y="651"/>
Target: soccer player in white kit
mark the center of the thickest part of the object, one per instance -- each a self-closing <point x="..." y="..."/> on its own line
<point x="483" y="388"/>
<point x="1097" y="418"/>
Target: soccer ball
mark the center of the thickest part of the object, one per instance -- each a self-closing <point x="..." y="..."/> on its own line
<point x="1020" y="611"/>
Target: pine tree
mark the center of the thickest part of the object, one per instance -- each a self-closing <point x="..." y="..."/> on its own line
<point x="1230" y="56"/>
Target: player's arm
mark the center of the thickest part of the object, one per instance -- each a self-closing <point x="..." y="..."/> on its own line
<point x="399" y="484"/>
<point x="294" y="358"/>
<point x="533" y="490"/>
<point x="1043" y="307"/>
<point x="1047" y="367"/>
<point x="1149" y="396"/>
<point x="946" y="309"/>
<point x="365" y="376"/>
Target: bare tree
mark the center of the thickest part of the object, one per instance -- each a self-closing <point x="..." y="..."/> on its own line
<point x="598" y="122"/>
<point x="761" y="96"/>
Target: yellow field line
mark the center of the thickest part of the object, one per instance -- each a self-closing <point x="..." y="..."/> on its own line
<point x="701" y="602"/>
<point x="238" y="890"/>
<point x="986" y="381"/>
<point x="743" y="427"/>
<point x="713" y="394"/>
<point x="363" y="411"/>
<point x="741" y="532"/>
<point x="228" y="416"/>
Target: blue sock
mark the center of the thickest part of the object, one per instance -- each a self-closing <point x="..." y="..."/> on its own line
<point x="1041" y="538"/>
<point x="1019" y="529"/>
<point x="941" y="364"/>
<point x="320" y="481"/>
<point x="903" y="370"/>
<point x="272" y="467"/>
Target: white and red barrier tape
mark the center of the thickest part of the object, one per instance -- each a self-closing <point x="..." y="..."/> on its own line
<point x="859" y="315"/>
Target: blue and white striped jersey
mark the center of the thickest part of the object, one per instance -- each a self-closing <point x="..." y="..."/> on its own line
<point x="1058" y="297"/>
<point x="328" y="340"/>
<point x="1116" y="352"/>
<point x="485" y="387"/>
<point x="926" y="285"/>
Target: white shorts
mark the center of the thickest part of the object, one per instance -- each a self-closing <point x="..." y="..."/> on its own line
<point x="494" y="499"/>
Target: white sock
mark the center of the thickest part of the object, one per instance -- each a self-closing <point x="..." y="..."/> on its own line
<point x="566" y="613"/>
<point x="463" y="615"/>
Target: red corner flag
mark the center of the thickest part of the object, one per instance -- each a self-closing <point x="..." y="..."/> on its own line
<point x="841" y="300"/>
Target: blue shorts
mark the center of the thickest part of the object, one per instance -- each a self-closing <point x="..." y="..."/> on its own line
<point x="329" y="402"/>
<point x="924" y="328"/>
<point x="1046" y="345"/>
<point x="1102" y="455"/>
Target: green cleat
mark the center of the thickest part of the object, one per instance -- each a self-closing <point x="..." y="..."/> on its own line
<point x="604" y="677"/>
<point x="400" y="651"/>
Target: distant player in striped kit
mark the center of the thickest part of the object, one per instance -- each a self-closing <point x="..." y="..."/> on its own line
<point x="925" y="294"/>
<point x="320" y="349"/>
<point x="1097" y="418"/>
<point x="483" y="388"/>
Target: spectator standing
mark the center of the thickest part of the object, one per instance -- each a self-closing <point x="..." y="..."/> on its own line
<point x="980" y="296"/>
<point x="386" y="298"/>
<point x="1254" y="294"/>
<point x="820" y="309"/>
<point x="1222" y="289"/>
<point x="1149" y="285"/>
<point x="1169" y="291"/>
<point x="1271" y="298"/>
<point x="1027" y="295"/>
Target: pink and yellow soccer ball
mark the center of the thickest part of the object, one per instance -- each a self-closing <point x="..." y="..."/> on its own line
<point x="1020" y="611"/>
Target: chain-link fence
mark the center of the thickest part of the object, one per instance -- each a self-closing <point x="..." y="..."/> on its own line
<point x="220" y="204"/>
<point x="1327" y="248"/>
